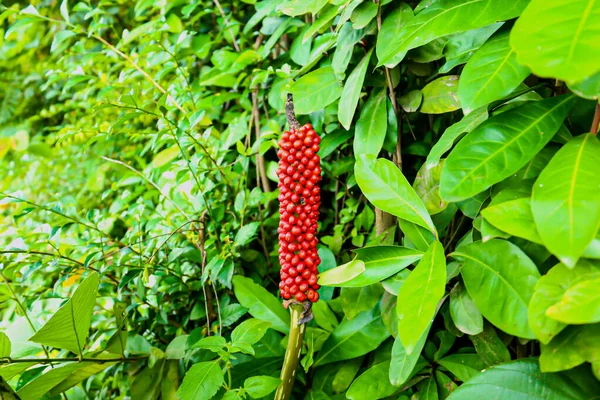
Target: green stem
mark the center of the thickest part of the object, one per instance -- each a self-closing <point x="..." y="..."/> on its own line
<point x="292" y="353"/>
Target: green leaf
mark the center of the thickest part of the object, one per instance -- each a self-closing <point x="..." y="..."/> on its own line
<point x="249" y="331"/>
<point x="324" y="317"/>
<point x="387" y="189"/>
<point x="176" y="349"/>
<point x="579" y="305"/>
<point x="588" y="88"/>
<point x="500" y="146"/>
<point x="416" y="235"/>
<point x="202" y="381"/>
<point x="464" y="312"/>
<point x="346" y="40"/>
<point x="566" y="200"/>
<point x="5" y="345"/>
<point x="500" y="268"/>
<point x="572" y="347"/>
<point x="68" y="327"/>
<point x="353" y="338"/>
<point x="445" y="17"/>
<point x="441" y="95"/>
<point x="372" y="384"/>
<point x="402" y="365"/>
<point x="371" y="126"/>
<point x="549" y="291"/>
<point x="489" y="346"/>
<point x="491" y="74"/>
<point x="461" y="47"/>
<point x="568" y="53"/>
<point x="212" y="343"/>
<point x="427" y="186"/>
<point x="260" y="386"/>
<point x="315" y="90"/>
<point x="381" y="262"/>
<point x="419" y="296"/>
<point x="346" y="374"/>
<point x="513" y="217"/>
<point x="445" y="142"/>
<point x="390" y="29"/>
<point x="260" y="303"/>
<point x="38" y="387"/>
<point x="246" y="234"/>
<point x="351" y="92"/>
<point x="79" y="375"/>
<point x="344" y="273"/>
<point x="357" y="300"/>
<point x="523" y="380"/>
<point x="411" y="101"/>
<point x="463" y="366"/>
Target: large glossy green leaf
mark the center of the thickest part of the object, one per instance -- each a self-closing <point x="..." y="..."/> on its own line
<point x="441" y="95"/>
<point x="500" y="279"/>
<point x="523" y="380"/>
<point x="549" y="291"/>
<point x="380" y="262"/>
<point x="390" y="29"/>
<point x="588" y="88"/>
<point x="461" y="47"/>
<point x="202" y="381"/>
<point x="419" y="296"/>
<point x="384" y="185"/>
<point x="580" y="304"/>
<point x="569" y="53"/>
<point x="339" y="275"/>
<point x="79" y="375"/>
<point x="371" y="126"/>
<point x="566" y="200"/>
<point x="38" y="387"/>
<point x="445" y="142"/>
<point x="315" y="90"/>
<point x="69" y="326"/>
<point x="351" y="91"/>
<point x="491" y="74"/>
<point x="500" y="146"/>
<point x="513" y="217"/>
<point x="260" y="303"/>
<point x="445" y="17"/>
<point x="572" y="347"/>
<point x="355" y="300"/>
<point x="464" y="312"/>
<point x="402" y="364"/>
<point x="372" y="384"/>
<point x="353" y="338"/>
<point x="427" y="186"/>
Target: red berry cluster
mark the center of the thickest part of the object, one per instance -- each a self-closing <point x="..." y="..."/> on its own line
<point x="299" y="198"/>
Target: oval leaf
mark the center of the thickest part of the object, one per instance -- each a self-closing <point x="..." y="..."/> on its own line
<point x="500" y="146"/>
<point x="351" y="92"/>
<point x="464" y="312"/>
<point x="371" y="126"/>
<point x="566" y="199"/>
<point x="441" y="95"/>
<point x="500" y="268"/>
<point x="343" y="273"/>
<point x="260" y="303"/>
<point x="315" y="91"/>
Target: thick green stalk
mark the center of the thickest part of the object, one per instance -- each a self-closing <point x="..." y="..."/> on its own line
<point x="292" y="353"/>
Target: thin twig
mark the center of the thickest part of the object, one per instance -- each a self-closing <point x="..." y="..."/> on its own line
<point x="596" y="121"/>
<point x="235" y="45"/>
<point x="260" y="160"/>
<point x="8" y="360"/>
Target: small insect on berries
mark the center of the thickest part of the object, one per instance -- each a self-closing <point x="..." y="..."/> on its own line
<point x="299" y="175"/>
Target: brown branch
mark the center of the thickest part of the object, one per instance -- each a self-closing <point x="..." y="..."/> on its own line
<point x="235" y="45"/>
<point x="290" y="115"/>
<point x="596" y="121"/>
<point x="208" y="306"/>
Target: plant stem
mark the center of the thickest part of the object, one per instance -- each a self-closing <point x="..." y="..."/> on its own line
<point x="8" y="360"/>
<point x="292" y="353"/>
<point x="596" y="121"/>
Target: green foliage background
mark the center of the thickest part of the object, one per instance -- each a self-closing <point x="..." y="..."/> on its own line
<point x="459" y="220"/>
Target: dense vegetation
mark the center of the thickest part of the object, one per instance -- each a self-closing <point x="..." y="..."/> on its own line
<point x="460" y="198"/>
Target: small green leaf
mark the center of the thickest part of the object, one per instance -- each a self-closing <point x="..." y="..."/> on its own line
<point x="315" y="90"/>
<point x="403" y="364"/>
<point x="202" y="381"/>
<point x="260" y="386"/>
<point x="246" y="234"/>
<point x="579" y="305"/>
<point x="463" y="366"/>
<point x="419" y="296"/>
<point x="371" y="127"/>
<point x="351" y="92"/>
<point x="489" y="346"/>
<point x="212" y="343"/>
<point x="166" y="156"/>
<point x="411" y="101"/>
<point x="341" y="274"/>
<point x="441" y="95"/>
<point x="249" y="331"/>
<point x="260" y="303"/>
<point x="464" y="312"/>
<point x="372" y="384"/>
<point x="386" y="188"/>
<point x="513" y="217"/>
<point x="5" y="345"/>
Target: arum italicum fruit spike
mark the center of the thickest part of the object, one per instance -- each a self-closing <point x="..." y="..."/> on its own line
<point x="299" y="175"/>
